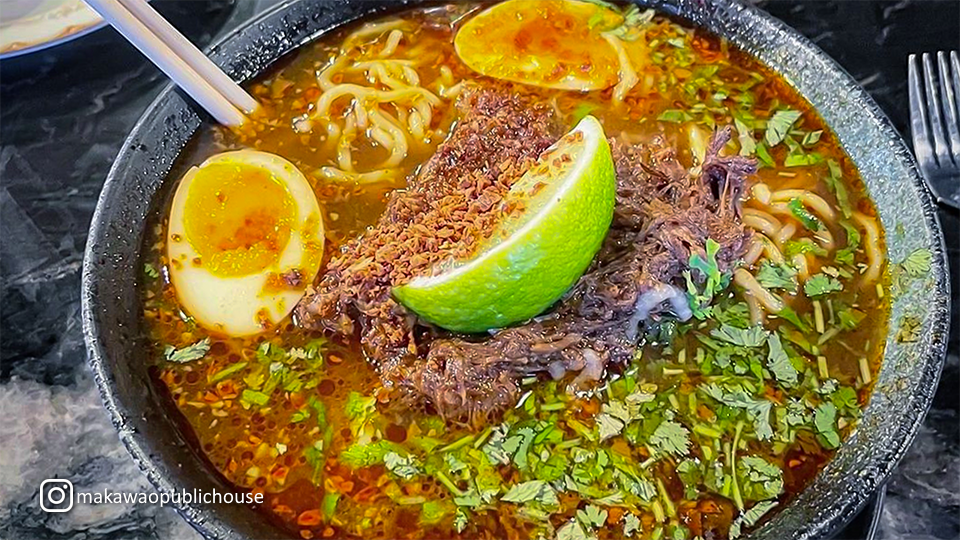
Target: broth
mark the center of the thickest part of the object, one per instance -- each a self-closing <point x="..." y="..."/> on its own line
<point x="706" y="435"/>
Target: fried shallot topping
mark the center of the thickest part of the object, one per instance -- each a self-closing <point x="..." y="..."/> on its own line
<point x="664" y="214"/>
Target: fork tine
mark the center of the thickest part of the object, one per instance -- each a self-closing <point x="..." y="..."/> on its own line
<point x="940" y="148"/>
<point x="950" y="112"/>
<point x="918" y="118"/>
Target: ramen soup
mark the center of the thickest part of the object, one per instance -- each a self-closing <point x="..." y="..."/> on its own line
<point x="689" y="367"/>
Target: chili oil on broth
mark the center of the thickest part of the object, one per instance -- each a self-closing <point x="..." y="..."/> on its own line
<point x="301" y="416"/>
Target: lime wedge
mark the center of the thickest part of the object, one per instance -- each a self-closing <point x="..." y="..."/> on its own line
<point x="563" y="207"/>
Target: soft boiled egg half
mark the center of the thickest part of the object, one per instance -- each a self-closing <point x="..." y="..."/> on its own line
<point x="244" y="240"/>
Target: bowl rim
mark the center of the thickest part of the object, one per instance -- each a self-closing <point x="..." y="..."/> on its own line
<point x="836" y="515"/>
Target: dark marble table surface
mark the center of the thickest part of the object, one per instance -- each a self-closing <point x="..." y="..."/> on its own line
<point x="63" y="117"/>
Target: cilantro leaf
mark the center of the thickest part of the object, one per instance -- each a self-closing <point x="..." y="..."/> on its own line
<point x="760" y="479"/>
<point x="690" y="474"/>
<point x="778" y="276"/>
<point x="745" y="136"/>
<point x="825" y="422"/>
<point x="789" y="315"/>
<point x="360" y="410"/>
<point x="798" y="158"/>
<point x="750" y="517"/>
<point x="779" y="125"/>
<point x="518" y="444"/>
<point x="764" y="155"/>
<point x="845" y="399"/>
<point x="834" y="181"/>
<point x="737" y="315"/>
<point x="714" y="281"/>
<point x="592" y="516"/>
<point x="820" y="285"/>
<point x="757" y="409"/>
<point x="752" y="337"/>
<point x="364" y="455"/>
<point x="609" y="426"/>
<point x="805" y="217"/>
<point x="708" y="266"/>
<point x="533" y="490"/>
<point x="571" y="531"/>
<point x="847" y="254"/>
<point x="358" y="406"/>
<point x="631" y="525"/>
<point x="404" y="467"/>
<point x="779" y="363"/>
<point x="493" y="448"/>
<point x="803" y="246"/>
<point x="812" y="137"/>
<point x="187" y="354"/>
<point x="460" y="520"/>
<point x="671" y="438"/>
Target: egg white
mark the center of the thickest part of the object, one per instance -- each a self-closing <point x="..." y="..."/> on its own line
<point x="237" y="306"/>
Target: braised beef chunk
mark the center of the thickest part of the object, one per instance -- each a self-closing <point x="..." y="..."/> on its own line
<point x="449" y="206"/>
<point x="663" y="215"/>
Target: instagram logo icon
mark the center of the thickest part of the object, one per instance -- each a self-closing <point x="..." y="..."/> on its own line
<point x="56" y="495"/>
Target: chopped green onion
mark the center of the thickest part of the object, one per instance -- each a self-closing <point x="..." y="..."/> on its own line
<point x="865" y="370"/>
<point x="828" y="335"/>
<point x="674" y="402"/>
<point x="737" y="497"/>
<point x="707" y="431"/>
<point x="482" y="438"/>
<point x="460" y="443"/>
<point x="568" y="444"/>
<point x="822" y="367"/>
<point x="665" y="497"/>
<point x="227" y="371"/>
<point x="818" y="316"/>
<point x="329" y="504"/>
<point x="445" y="480"/>
<point x="658" y="514"/>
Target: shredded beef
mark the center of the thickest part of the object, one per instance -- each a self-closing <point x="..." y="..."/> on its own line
<point x="663" y="215"/>
<point x="446" y="210"/>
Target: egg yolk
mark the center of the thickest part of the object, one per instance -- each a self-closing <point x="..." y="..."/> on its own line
<point x="548" y="43"/>
<point x="238" y="218"/>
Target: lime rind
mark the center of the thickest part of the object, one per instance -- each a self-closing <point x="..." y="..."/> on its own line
<point x="531" y="260"/>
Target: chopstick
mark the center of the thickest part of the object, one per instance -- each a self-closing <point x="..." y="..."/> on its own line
<point x="159" y="41"/>
<point x="191" y="54"/>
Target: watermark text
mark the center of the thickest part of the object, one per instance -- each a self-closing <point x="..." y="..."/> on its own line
<point x="57" y="495"/>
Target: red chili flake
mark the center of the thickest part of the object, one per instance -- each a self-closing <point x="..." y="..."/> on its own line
<point x="309" y="518"/>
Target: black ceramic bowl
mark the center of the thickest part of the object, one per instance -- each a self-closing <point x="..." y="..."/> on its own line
<point x="111" y="305"/>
